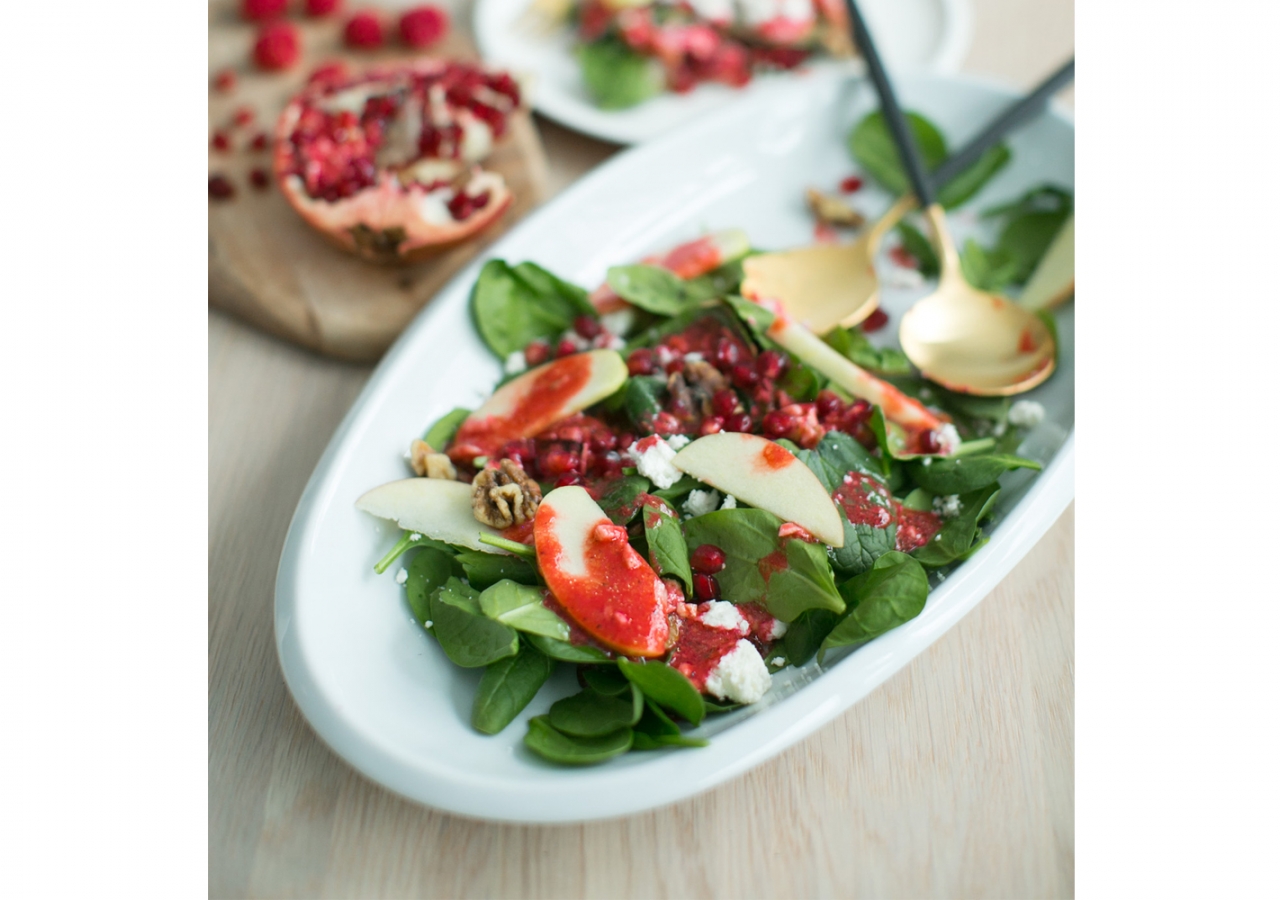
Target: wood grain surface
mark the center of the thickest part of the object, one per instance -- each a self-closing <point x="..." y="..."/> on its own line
<point x="270" y="268"/>
<point x="953" y="779"/>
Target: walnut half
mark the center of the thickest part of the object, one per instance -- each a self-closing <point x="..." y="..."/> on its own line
<point x="426" y="462"/>
<point x="504" y="496"/>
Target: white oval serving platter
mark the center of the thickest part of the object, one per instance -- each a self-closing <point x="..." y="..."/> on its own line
<point x="913" y="35"/>
<point x="379" y="691"/>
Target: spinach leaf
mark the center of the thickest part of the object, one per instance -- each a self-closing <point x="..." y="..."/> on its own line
<point x="956" y="539"/>
<point x="852" y="344"/>
<point x="547" y="285"/>
<point x="509" y="313"/>
<point x="444" y="428"/>
<point x="802" y="381"/>
<point x="652" y="288"/>
<point x="617" y="77"/>
<point x="753" y="315"/>
<point x="506" y="688"/>
<point x="621" y="499"/>
<point x="605" y="680"/>
<point x="863" y="545"/>
<point x="677" y="491"/>
<point x="891" y="441"/>
<point x="717" y="283"/>
<point x="786" y="576"/>
<point x="893" y="591"/>
<point x="486" y="569"/>
<point x="429" y="571"/>
<point x="406" y="543"/>
<point x="714" y="708"/>
<point x="566" y="652"/>
<point x="666" y="687"/>
<point x="962" y="474"/>
<point x="642" y="398"/>
<point x="805" y="635"/>
<point x="915" y="243"/>
<point x="559" y="747"/>
<point x="838" y="454"/>
<point x="588" y="714"/>
<point x="668" y="552"/>
<point x="520" y="606"/>
<point x="987" y="270"/>
<point x="873" y="149"/>
<point x="467" y="637"/>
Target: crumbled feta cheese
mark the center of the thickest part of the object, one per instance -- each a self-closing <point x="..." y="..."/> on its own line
<point x="948" y="439"/>
<point x="948" y="507"/>
<point x="740" y="675"/>
<point x="730" y="502"/>
<point x="402" y="576"/>
<point x="927" y="461"/>
<point x="1026" y="414"/>
<point x="428" y="623"/>
<point x="578" y="341"/>
<point x="723" y="614"/>
<point x="608" y="341"/>
<point x="515" y="363"/>
<point x="701" y="502"/>
<point x="618" y="322"/>
<point x="415" y="536"/>
<point x="654" y="461"/>
<point x="778" y="661"/>
<point x="678" y="441"/>
<point x="665" y="354"/>
<point x="777" y="631"/>
<point x="693" y="357"/>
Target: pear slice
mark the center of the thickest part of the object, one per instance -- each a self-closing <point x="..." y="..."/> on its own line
<point x="766" y="475"/>
<point x="1054" y="279"/>
<point x="597" y="577"/>
<point x="435" y="507"/>
<point x="540" y="397"/>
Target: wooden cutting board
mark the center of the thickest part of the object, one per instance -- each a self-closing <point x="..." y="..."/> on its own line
<point x="270" y="268"/>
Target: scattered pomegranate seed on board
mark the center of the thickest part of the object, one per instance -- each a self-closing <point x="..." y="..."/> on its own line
<point x="422" y="26"/>
<point x="260" y="179"/>
<point x="317" y="8"/>
<point x="220" y="142"/>
<point x="363" y="31"/>
<point x="225" y="81"/>
<point x="262" y="10"/>
<point x="244" y="115"/>
<point x="259" y="142"/>
<point x="277" y="46"/>
<point x="220" y="188"/>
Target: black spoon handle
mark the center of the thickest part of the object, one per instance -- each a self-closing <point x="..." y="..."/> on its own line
<point x="897" y="122"/>
<point x="1025" y="109"/>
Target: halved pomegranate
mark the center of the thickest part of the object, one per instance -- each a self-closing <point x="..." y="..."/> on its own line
<point x="385" y="164"/>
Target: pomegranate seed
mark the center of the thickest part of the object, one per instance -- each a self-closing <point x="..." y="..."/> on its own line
<point x="608" y="465"/>
<point x="626" y="439"/>
<point x="676" y="365"/>
<point x="640" y="361"/>
<point x="568" y="479"/>
<point x="771" y="364"/>
<point x="330" y="72"/>
<point x="244" y="115"/>
<point x="739" y="422"/>
<point x="220" y="188"/>
<point x="566" y="347"/>
<point x="603" y="443"/>
<point x="520" y="451"/>
<point x="277" y="46"/>
<point x="859" y="410"/>
<point x="558" y="461"/>
<point x="261" y="10"/>
<point x="707" y="559"/>
<point x="460" y="206"/>
<point x="220" y="142"/>
<point x="537" y="353"/>
<point x="259" y="142"/>
<point x="317" y="8"/>
<point x="225" y="81"/>
<point x="851" y="184"/>
<point x="705" y="587"/>
<point x="777" y="424"/>
<point x="724" y="402"/>
<point x="363" y="31"/>
<point x="587" y="326"/>
<point x="726" y="355"/>
<point x="745" y="376"/>
<point x="829" y="405"/>
<point x="260" y="179"/>
<point x="422" y="26"/>
<point x="711" y="425"/>
<point x="665" y="423"/>
<point x="480" y="200"/>
<point x="900" y="256"/>
<point x="877" y="320"/>
<point x="929" y="442"/>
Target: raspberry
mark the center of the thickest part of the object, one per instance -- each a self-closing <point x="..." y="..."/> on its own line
<point x="225" y="81"/>
<point x="422" y="26"/>
<point x="363" y="31"/>
<point x="220" y="188"/>
<point x="317" y="8"/>
<point x="260" y="179"/>
<point x="276" y="47"/>
<point x="262" y="10"/>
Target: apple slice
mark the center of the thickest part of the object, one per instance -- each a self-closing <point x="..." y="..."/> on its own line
<point x="597" y="577"/>
<point x="435" y="507"/>
<point x="1054" y="279"/>
<point x="767" y="476"/>
<point x="539" y="398"/>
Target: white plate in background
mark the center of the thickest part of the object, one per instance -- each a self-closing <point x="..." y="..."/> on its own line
<point x="913" y="35"/>
<point x="379" y="690"/>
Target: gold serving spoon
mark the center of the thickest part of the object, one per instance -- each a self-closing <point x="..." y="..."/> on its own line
<point x="960" y="337"/>
<point x="836" y="284"/>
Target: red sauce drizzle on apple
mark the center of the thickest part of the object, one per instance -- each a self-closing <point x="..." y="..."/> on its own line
<point x="916" y="527"/>
<point x="690" y="260"/>
<point x="618" y="600"/>
<point x="542" y="405"/>
<point x="775" y="457"/>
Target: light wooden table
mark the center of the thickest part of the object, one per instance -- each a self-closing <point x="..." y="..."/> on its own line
<point x="954" y="779"/>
